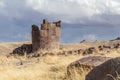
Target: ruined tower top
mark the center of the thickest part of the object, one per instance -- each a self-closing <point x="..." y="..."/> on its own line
<point x="45" y="21"/>
<point x="48" y="37"/>
<point x="46" y="24"/>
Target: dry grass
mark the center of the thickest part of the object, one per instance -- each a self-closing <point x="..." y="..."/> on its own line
<point x="47" y="68"/>
<point x="42" y="68"/>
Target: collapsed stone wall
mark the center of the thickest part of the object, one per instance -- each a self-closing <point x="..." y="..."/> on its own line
<point x="48" y="37"/>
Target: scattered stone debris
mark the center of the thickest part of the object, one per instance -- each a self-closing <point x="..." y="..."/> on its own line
<point x="113" y="46"/>
<point x="109" y="70"/>
<point x="90" y="50"/>
<point x="25" y="48"/>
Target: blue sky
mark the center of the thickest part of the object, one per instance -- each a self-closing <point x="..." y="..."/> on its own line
<point x="81" y="19"/>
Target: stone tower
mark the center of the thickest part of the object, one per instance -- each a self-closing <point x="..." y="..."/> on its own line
<point x="48" y="37"/>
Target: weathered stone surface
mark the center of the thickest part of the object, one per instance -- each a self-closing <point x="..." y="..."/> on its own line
<point x="48" y="37"/>
<point x="105" y="71"/>
<point x="84" y="65"/>
<point x="35" y="37"/>
<point x="25" y="48"/>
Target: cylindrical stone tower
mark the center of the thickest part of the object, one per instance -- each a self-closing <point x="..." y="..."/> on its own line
<point x="48" y="37"/>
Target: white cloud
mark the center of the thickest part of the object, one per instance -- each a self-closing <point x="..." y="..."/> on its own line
<point x="75" y="10"/>
<point x="1" y="3"/>
<point x="19" y="15"/>
<point x="90" y="37"/>
<point x="69" y="8"/>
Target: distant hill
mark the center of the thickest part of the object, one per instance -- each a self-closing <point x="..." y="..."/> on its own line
<point x="118" y="38"/>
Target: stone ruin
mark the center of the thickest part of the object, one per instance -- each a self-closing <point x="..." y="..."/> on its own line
<point x="47" y="37"/>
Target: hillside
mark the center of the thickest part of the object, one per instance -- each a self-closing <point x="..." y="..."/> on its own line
<point x="49" y="67"/>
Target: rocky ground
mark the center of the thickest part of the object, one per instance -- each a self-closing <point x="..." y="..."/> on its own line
<point x="71" y="62"/>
